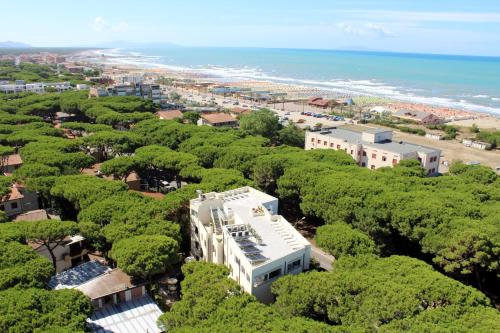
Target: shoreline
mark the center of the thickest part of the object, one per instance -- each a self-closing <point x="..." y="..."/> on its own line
<point x="113" y="64"/>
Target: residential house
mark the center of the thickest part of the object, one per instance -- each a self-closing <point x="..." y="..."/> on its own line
<point x="121" y="304"/>
<point x="18" y="201"/>
<point x="218" y="119"/>
<point x="169" y="114"/>
<point x="372" y="148"/>
<point x="241" y="230"/>
<point x="9" y="163"/>
<point x="69" y="254"/>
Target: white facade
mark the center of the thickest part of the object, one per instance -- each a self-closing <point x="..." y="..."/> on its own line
<point x="240" y="229"/>
<point x="373" y="148"/>
<point x="37" y="87"/>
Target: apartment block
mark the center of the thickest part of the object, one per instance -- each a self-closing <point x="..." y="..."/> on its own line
<point x="372" y="148"/>
<point x="146" y="91"/>
<point x="37" y="87"/>
<point x="241" y="230"/>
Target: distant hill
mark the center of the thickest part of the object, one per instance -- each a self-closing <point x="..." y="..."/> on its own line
<point x="13" y="45"/>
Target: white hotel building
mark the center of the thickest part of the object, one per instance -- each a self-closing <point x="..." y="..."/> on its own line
<point x="241" y="230"/>
<point x="372" y="148"/>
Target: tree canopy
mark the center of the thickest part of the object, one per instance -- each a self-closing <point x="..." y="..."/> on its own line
<point x="145" y="255"/>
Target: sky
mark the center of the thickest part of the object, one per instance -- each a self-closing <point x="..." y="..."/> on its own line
<point x="424" y="26"/>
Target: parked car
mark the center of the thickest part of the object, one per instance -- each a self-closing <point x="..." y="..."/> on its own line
<point x="236" y="103"/>
<point x="301" y="121"/>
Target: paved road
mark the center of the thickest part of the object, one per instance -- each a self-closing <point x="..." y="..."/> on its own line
<point x="325" y="260"/>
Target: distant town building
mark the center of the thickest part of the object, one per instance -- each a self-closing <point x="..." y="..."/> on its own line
<point x="372" y="148"/>
<point x="418" y="117"/>
<point x="217" y="120"/>
<point x="38" y="87"/>
<point x="241" y="230"/>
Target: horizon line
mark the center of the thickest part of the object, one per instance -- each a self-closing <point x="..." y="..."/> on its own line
<point x="173" y="45"/>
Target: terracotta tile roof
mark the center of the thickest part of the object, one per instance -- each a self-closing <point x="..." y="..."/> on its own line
<point x="319" y="102"/>
<point x="15" y="194"/>
<point x="14" y="159"/>
<point x="314" y="99"/>
<point x="169" y="115"/>
<point x="133" y="177"/>
<point x="215" y="118"/>
<point x="34" y="215"/>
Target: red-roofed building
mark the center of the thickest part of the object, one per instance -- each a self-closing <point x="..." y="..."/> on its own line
<point x="10" y="163"/>
<point x="319" y="102"/>
<point x="218" y="120"/>
<point x="169" y="115"/>
<point x="18" y="201"/>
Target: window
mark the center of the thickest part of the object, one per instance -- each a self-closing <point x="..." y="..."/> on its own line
<point x="275" y="273"/>
<point x="394" y="161"/>
<point x="364" y="153"/>
<point x="293" y="265"/>
<point x="331" y="145"/>
<point x="196" y="230"/>
<point x="338" y="146"/>
<point x="374" y="156"/>
<point x="325" y="143"/>
<point x="312" y="140"/>
<point x="319" y="141"/>
<point x="352" y="151"/>
<point x="265" y="277"/>
<point x="363" y="164"/>
<point x="384" y="158"/>
<point x="13" y="205"/>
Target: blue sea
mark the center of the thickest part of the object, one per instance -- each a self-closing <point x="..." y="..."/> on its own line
<point x="464" y="82"/>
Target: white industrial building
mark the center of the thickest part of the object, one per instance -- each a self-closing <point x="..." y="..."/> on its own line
<point x="241" y="230"/>
<point x="372" y="148"/>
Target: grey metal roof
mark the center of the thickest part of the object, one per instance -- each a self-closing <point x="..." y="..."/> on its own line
<point x="78" y="275"/>
<point x="354" y="137"/>
<point x="135" y="316"/>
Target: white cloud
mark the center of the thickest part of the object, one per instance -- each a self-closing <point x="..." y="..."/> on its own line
<point x="99" y="24"/>
<point x="364" y="29"/>
<point x="102" y="25"/>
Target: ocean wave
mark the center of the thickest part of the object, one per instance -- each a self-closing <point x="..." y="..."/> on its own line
<point x="343" y="87"/>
